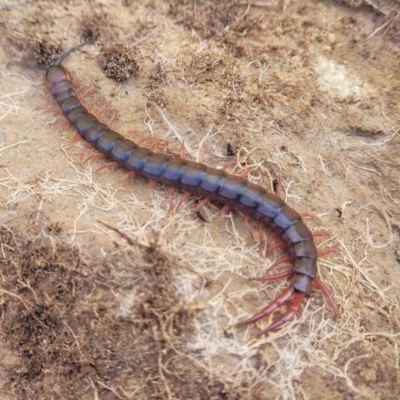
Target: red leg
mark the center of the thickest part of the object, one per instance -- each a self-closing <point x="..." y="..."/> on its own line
<point x="165" y="148"/>
<point x="202" y="153"/>
<point x="113" y="117"/>
<point x="182" y="150"/>
<point x="271" y="307"/>
<point x="327" y="294"/>
<point x="141" y="141"/>
<point x="289" y="314"/>
<point x="308" y="216"/>
<point x="83" y="92"/>
<point x="154" y="144"/>
<point x="53" y="110"/>
<point x="261" y="228"/>
<point x="224" y="211"/>
<point x="48" y="97"/>
<point x="319" y="234"/>
<point x="94" y="156"/>
<point x="279" y="187"/>
<point x="228" y="164"/>
<point x="102" y="110"/>
<point x="201" y="205"/>
<point x="274" y="277"/>
<point x="73" y="140"/>
<point x="130" y="174"/>
<point x="91" y="105"/>
<point x="132" y="133"/>
<point x="261" y="180"/>
<point x="171" y="192"/>
<point x="62" y="124"/>
<point x="183" y="198"/>
<point x="276" y="246"/>
<point x="108" y="165"/>
<point x="86" y="147"/>
<point x="268" y="245"/>
<point x="280" y="261"/>
<point x="328" y="250"/>
<point x="150" y="187"/>
<point x="248" y="226"/>
<point x="246" y="172"/>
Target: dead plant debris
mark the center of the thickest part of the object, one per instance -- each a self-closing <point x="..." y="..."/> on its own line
<point x="118" y="62"/>
<point x="62" y="321"/>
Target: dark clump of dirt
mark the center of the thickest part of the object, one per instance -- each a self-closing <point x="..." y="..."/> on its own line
<point x="118" y="62"/>
<point x="45" y="52"/>
<point x="70" y="332"/>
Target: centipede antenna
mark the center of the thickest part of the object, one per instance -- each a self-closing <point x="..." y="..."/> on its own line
<point x="68" y="52"/>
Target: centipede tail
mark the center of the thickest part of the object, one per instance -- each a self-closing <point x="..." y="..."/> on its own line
<point x="200" y="179"/>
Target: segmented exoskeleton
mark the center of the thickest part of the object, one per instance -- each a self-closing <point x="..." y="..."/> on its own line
<point x="251" y="199"/>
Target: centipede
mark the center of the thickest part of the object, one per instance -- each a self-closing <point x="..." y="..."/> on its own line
<point x="215" y="184"/>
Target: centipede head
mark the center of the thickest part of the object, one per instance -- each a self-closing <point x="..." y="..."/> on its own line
<point x="56" y="73"/>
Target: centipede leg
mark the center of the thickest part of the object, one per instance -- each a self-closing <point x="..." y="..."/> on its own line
<point x="128" y="175"/>
<point x="182" y="150"/>
<point x="202" y="153"/>
<point x="327" y="294"/>
<point x="91" y="105"/>
<point x="260" y="181"/>
<point x="289" y="314"/>
<point x="224" y="211"/>
<point x="279" y="261"/>
<point x="83" y="92"/>
<point x="108" y="165"/>
<point x="324" y="252"/>
<point x="62" y="124"/>
<point x="156" y="142"/>
<point x="171" y="192"/>
<point x="261" y="228"/>
<point x="276" y="246"/>
<point x="268" y="245"/>
<point x="228" y="164"/>
<point x="320" y="234"/>
<point x="93" y="157"/>
<point x="112" y="119"/>
<point x="85" y="148"/>
<point x="183" y="198"/>
<point x="246" y="172"/>
<point x="142" y="141"/>
<point x="166" y="147"/>
<point x="102" y="110"/>
<point x="53" y="109"/>
<point x="308" y="216"/>
<point x="201" y="205"/>
<point x="150" y="187"/>
<point x="73" y="140"/>
<point x="268" y="278"/>
<point x="271" y="307"/>
<point x="279" y="187"/>
<point x="248" y="226"/>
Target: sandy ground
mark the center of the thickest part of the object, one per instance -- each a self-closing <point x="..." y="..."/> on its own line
<point x="107" y="294"/>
